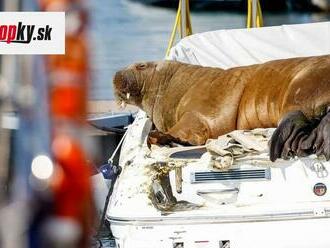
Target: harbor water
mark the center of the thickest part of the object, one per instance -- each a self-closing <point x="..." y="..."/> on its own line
<point x="124" y="32"/>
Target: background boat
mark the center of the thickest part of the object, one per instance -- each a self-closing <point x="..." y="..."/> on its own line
<point x="322" y="4"/>
<point x="197" y="4"/>
<point x="305" y="5"/>
<point x="217" y="4"/>
<point x="240" y="5"/>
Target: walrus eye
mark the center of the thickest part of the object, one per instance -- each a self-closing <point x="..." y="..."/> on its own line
<point x="141" y="66"/>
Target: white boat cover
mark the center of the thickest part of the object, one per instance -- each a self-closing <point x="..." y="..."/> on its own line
<point x="238" y="47"/>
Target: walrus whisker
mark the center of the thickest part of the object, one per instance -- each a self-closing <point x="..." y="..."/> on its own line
<point x="123" y="105"/>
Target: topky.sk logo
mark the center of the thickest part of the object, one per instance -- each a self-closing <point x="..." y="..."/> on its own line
<point x="32" y="32"/>
<point x="21" y="33"/>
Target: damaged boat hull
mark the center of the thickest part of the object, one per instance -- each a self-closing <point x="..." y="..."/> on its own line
<point x="273" y="211"/>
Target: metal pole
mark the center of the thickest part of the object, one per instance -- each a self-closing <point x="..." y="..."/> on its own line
<point x="11" y="5"/>
<point x="7" y="78"/>
<point x="254" y="13"/>
<point x="183" y="19"/>
<point x="8" y="62"/>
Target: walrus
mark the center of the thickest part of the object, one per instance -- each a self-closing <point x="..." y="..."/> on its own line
<point x="192" y="103"/>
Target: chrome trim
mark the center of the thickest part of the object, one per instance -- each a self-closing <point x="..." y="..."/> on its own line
<point x="168" y="220"/>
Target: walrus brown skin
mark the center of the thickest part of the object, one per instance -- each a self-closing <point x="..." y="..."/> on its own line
<point x="193" y="103"/>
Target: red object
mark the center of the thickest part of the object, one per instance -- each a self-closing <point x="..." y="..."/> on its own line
<point x="72" y="185"/>
<point x="69" y="78"/>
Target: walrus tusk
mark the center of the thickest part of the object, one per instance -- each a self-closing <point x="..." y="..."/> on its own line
<point x="128" y="95"/>
<point x="123" y="105"/>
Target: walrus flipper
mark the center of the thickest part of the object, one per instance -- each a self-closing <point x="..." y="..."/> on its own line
<point x="191" y="128"/>
<point x="294" y="128"/>
<point x="156" y="137"/>
<point x="319" y="140"/>
<point x="159" y="138"/>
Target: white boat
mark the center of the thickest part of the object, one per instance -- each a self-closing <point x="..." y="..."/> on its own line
<point x="256" y="203"/>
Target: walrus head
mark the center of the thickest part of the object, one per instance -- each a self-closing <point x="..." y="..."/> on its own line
<point x="131" y="83"/>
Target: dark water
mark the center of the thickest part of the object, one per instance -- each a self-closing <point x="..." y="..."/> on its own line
<point x="103" y="240"/>
<point x="124" y="32"/>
